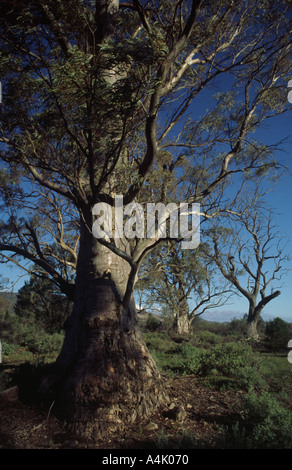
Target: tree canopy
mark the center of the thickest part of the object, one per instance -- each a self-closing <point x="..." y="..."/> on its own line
<point x="96" y="102"/>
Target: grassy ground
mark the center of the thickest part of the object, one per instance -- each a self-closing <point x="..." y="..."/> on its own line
<point x="233" y="395"/>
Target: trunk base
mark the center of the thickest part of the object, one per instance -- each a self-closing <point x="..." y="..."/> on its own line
<point x="181" y="325"/>
<point x="252" y="331"/>
<point x="113" y="383"/>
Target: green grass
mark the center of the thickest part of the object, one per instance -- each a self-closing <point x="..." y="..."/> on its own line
<point x="220" y="360"/>
<point x="277" y="371"/>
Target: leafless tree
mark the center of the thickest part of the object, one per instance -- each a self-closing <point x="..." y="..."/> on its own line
<point x="182" y="286"/>
<point x="250" y="254"/>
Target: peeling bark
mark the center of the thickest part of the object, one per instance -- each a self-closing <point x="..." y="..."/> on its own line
<point x="105" y="376"/>
<point x="181" y="319"/>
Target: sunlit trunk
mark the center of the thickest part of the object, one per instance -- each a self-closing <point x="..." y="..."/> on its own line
<point x="252" y="321"/>
<point x="181" y="320"/>
<point x="252" y="330"/>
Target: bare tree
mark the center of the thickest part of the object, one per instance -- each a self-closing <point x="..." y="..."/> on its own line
<point x="250" y="254"/>
<point x="39" y="233"/>
<point x="182" y="286"/>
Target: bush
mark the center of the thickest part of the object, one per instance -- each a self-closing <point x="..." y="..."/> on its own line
<point x="28" y="377"/>
<point x="189" y="359"/>
<point x="208" y="338"/>
<point x="37" y="341"/>
<point x="277" y="335"/>
<point x="158" y="341"/>
<point x="152" y="323"/>
<point x="172" y="357"/>
<point x="234" y="361"/>
<point x="230" y="365"/>
<point x="7" y="348"/>
<point x="269" y="424"/>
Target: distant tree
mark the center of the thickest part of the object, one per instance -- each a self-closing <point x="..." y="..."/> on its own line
<point x="250" y="254"/>
<point x="181" y="285"/>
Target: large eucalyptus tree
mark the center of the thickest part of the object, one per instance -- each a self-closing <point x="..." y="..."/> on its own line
<point x="94" y="101"/>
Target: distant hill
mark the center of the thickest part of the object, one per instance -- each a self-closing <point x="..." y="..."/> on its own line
<point x="7" y="302"/>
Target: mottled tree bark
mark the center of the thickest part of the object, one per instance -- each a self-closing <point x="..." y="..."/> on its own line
<point x="105" y="376"/>
<point x="252" y="329"/>
<point x="181" y="320"/>
<point x="255" y="310"/>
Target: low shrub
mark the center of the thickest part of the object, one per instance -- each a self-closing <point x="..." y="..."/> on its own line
<point x="7" y="348"/>
<point x="189" y="358"/>
<point x="277" y="335"/>
<point x="269" y="424"/>
<point x="236" y="361"/>
<point x="226" y="365"/>
<point x="152" y="323"/>
<point x="208" y="338"/>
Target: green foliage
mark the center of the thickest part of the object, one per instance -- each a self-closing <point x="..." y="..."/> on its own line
<point x="269" y="423"/>
<point x="6" y="330"/>
<point x="7" y="348"/>
<point x="7" y="301"/>
<point x="152" y="323"/>
<point x="277" y="371"/>
<point x="28" y="378"/>
<point x="208" y="338"/>
<point x="159" y="341"/>
<point x="40" y="306"/>
<point x="236" y="365"/>
<point x="170" y="356"/>
<point x="224" y="365"/>
<point x="185" y="440"/>
<point x="37" y="340"/>
<point x="5" y="380"/>
<point x="37" y="324"/>
<point x="277" y="334"/>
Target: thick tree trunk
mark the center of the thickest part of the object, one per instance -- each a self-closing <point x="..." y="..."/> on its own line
<point x="255" y="312"/>
<point x="181" y="324"/>
<point x="181" y="320"/>
<point x="106" y="376"/>
<point x="252" y="330"/>
<point x="252" y="322"/>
